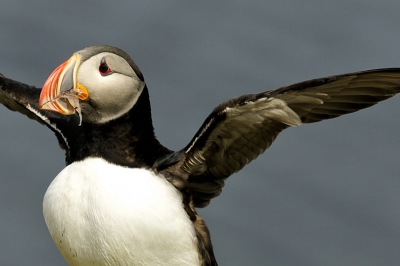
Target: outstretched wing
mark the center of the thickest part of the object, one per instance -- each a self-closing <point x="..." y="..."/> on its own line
<point x="240" y="129"/>
<point x="23" y="98"/>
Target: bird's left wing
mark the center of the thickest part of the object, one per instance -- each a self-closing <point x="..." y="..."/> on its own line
<point x="23" y="98"/>
<point x="240" y="129"/>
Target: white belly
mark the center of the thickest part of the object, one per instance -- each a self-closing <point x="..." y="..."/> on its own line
<point x="103" y="214"/>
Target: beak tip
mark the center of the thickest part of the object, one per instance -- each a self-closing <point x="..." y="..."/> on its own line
<point x="51" y="97"/>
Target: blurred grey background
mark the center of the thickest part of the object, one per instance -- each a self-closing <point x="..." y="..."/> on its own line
<point x="323" y="194"/>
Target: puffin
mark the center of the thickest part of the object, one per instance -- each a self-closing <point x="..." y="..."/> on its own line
<point x="124" y="198"/>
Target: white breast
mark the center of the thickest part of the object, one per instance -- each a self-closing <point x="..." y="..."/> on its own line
<point x="103" y="214"/>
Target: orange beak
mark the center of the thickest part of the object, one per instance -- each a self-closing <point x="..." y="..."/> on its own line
<point x="60" y="92"/>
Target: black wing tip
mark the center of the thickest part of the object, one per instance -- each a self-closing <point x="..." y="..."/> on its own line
<point x="325" y="80"/>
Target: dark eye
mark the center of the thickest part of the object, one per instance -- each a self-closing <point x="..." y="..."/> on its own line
<point x="104" y="69"/>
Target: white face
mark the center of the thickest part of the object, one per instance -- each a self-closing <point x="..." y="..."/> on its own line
<point x="112" y="85"/>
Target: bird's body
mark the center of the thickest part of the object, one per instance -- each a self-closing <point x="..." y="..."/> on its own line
<point x="85" y="209"/>
<point x="125" y="199"/>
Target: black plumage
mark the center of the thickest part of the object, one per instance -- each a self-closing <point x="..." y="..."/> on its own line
<point x="234" y="134"/>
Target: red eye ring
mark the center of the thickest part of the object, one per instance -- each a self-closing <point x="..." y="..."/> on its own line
<point x="104" y="69"/>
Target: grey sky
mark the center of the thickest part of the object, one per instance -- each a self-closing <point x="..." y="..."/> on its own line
<point x="323" y="194"/>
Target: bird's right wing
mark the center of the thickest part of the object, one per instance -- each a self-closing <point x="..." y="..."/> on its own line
<point x="24" y="99"/>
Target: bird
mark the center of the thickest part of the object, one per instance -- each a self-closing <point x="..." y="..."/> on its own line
<point x="123" y="197"/>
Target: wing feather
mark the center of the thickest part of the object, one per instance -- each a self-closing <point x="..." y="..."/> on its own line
<point x="240" y="129"/>
<point x="23" y="98"/>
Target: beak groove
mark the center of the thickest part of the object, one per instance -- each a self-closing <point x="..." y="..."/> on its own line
<point x="60" y="92"/>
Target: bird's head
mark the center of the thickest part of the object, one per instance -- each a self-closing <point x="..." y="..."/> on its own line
<point x="100" y="83"/>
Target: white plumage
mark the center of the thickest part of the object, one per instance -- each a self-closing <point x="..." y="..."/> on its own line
<point x="101" y="214"/>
